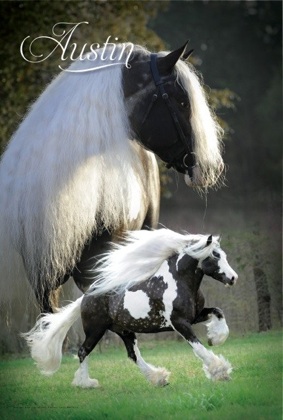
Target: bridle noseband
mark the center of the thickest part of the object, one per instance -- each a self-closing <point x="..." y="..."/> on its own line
<point x="178" y="162"/>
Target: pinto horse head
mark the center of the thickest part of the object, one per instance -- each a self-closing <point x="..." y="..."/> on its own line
<point x="216" y="265"/>
<point x="169" y="115"/>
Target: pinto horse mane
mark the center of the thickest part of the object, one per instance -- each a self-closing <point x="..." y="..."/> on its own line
<point x="141" y="254"/>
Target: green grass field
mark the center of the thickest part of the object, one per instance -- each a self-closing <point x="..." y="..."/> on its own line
<point x="255" y="391"/>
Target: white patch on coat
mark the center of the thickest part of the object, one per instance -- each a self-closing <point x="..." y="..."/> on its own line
<point x="169" y="295"/>
<point x="137" y="303"/>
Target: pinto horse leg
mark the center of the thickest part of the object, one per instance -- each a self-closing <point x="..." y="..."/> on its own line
<point x="81" y="378"/>
<point x="215" y="367"/>
<point x="156" y="375"/>
<point x="95" y="319"/>
<point x="215" y="322"/>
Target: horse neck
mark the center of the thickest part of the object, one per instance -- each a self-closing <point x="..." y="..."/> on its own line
<point x="198" y="275"/>
<point x="190" y="272"/>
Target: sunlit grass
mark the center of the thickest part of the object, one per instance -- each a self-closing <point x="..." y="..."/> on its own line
<point x="254" y="391"/>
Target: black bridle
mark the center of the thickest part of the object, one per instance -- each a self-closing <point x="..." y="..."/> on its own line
<point x="184" y="161"/>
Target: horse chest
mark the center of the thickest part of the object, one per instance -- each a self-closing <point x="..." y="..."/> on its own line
<point x="146" y="308"/>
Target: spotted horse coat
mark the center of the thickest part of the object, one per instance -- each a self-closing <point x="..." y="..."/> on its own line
<point x="168" y="301"/>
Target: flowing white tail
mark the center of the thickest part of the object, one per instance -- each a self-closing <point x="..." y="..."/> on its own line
<point x="46" y="337"/>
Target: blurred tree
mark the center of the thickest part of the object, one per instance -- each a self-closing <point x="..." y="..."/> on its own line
<point x="263" y="295"/>
<point x="21" y="82"/>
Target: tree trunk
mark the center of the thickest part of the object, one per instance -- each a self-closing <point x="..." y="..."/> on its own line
<point x="263" y="296"/>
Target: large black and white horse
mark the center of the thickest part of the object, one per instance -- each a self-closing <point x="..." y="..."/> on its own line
<point x="148" y="284"/>
<point x="80" y="169"/>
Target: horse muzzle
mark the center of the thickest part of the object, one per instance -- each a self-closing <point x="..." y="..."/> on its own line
<point x="194" y="177"/>
<point x="229" y="281"/>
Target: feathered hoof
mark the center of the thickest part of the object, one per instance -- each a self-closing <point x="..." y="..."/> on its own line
<point x="218" y="370"/>
<point x="158" y="376"/>
<point x="87" y="383"/>
<point x="84" y="381"/>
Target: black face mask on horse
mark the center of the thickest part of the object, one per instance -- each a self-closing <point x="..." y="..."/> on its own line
<point x="160" y="112"/>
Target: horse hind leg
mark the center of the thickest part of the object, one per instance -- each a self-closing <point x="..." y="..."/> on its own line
<point x="81" y="378"/>
<point x="156" y="375"/>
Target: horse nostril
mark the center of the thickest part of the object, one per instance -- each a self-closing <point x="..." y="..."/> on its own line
<point x="233" y="279"/>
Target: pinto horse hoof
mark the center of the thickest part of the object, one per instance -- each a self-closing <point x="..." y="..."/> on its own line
<point x="158" y="376"/>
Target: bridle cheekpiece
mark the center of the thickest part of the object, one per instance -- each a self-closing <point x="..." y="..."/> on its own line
<point x="178" y="162"/>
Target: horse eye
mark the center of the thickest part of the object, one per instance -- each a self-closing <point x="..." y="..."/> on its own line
<point x="184" y="104"/>
<point x="216" y="254"/>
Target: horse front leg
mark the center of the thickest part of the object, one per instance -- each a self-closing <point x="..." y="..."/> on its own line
<point x="215" y="322"/>
<point x="215" y="367"/>
<point x="156" y="375"/>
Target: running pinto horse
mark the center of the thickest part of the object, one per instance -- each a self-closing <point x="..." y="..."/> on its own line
<point x="148" y="284"/>
<point x="80" y="171"/>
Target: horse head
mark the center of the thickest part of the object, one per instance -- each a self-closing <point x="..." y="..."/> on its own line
<point x="169" y="115"/>
<point x="215" y="265"/>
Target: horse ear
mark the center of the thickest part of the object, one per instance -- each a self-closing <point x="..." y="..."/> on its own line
<point x="209" y="240"/>
<point x="186" y="55"/>
<point x="167" y="63"/>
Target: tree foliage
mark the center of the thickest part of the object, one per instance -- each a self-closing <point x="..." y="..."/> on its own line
<point x="21" y="82"/>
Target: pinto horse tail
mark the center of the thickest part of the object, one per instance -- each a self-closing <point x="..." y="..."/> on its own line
<point x="46" y="338"/>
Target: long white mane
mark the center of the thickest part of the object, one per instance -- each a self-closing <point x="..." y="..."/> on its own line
<point x="68" y="169"/>
<point x="141" y="254"/>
